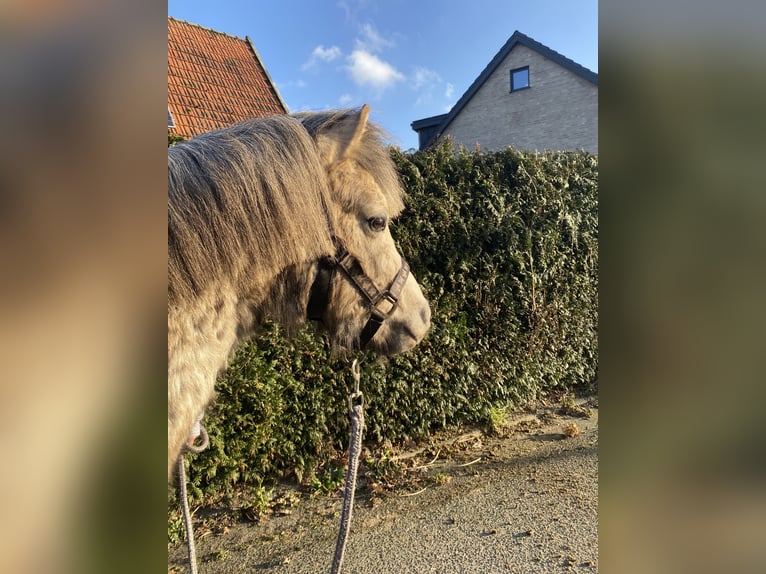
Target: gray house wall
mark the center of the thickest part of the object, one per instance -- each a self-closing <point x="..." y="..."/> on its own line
<point x="559" y="111"/>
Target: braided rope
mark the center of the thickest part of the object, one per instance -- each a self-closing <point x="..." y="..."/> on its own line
<point x="191" y="550"/>
<point x="356" y="414"/>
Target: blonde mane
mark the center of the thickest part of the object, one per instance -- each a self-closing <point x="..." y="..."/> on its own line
<point x="243" y="203"/>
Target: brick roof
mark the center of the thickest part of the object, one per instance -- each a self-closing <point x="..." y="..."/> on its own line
<point x="215" y="80"/>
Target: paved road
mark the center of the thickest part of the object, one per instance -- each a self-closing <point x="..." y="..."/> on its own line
<point x="528" y="505"/>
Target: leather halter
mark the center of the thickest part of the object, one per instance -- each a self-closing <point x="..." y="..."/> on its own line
<point x="381" y="304"/>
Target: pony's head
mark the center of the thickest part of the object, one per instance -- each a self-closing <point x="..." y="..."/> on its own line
<point x="364" y="294"/>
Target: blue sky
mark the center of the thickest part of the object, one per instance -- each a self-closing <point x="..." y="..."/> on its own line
<point x="409" y="59"/>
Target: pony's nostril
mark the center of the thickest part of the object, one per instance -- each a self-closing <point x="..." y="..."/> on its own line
<point x="425" y="314"/>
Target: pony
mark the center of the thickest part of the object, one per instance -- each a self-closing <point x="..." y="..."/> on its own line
<point x="283" y="218"/>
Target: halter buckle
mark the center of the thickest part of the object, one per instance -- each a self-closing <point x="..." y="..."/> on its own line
<point x="381" y="304"/>
<point x="384" y="298"/>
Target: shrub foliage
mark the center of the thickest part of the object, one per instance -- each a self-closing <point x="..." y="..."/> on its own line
<point x="505" y="246"/>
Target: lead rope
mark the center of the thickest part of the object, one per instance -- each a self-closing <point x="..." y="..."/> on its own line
<point x="190" y="547"/>
<point x="356" y="414"/>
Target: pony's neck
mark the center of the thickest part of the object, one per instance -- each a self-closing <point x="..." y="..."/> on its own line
<point x="283" y="302"/>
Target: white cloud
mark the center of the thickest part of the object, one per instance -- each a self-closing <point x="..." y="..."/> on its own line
<point x="371" y="40"/>
<point x="352" y="8"/>
<point x="345" y="99"/>
<point x="292" y="84"/>
<point x="423" y="77"/>
<point x="430" y="87"/>
<point x="368" y="70"/>
<point x="326" y="54"/>
<point x="322" y="54"/>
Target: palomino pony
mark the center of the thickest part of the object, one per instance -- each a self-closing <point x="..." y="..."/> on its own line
<point x="283" y="218"/>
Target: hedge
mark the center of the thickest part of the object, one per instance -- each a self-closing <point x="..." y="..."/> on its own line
<point x="505" y="246"/>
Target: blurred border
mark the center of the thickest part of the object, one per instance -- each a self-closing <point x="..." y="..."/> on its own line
<point x="682" y="207"/>
<point x="83" y="258"/>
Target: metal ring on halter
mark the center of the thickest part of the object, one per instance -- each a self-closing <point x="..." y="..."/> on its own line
<point x="381" y="304"/>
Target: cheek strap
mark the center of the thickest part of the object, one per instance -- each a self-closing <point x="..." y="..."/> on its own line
<point x="381" y="304"/>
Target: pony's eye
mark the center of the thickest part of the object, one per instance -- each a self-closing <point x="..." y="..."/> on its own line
<point x="377" y="223"/>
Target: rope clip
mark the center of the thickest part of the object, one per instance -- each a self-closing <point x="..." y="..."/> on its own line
<point x="355" y="398"/>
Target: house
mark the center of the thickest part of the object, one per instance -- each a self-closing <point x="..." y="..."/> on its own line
<point x="529" y="97"/>
<point x="215" y="80"/>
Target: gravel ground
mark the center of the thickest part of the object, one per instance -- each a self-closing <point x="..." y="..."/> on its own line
<point x="525" y="500"/>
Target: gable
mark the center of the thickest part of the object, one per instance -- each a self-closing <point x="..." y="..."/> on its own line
<point x="550" y="108"/>
<point x="509" y="57"/>
<point x="215" y="80"/>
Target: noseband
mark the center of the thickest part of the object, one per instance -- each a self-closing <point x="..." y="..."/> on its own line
<point x="381" y="304"/>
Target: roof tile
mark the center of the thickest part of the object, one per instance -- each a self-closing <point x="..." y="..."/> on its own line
<point x="215" y="80"/>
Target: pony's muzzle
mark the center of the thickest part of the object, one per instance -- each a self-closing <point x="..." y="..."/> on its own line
<point x="409" y="324"/>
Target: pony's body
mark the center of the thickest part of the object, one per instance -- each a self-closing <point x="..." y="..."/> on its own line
<point x="251" y="211"/>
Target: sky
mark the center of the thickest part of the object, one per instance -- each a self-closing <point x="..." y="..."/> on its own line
<point x="409" y="59"/>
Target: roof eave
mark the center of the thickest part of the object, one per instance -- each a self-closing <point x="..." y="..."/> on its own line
<point x="427" y="122"/>
<point x="268" y="76"/>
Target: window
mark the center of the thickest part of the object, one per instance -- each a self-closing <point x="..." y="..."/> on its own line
<point x="171" y="122"/>
<point x="519" y="79"/>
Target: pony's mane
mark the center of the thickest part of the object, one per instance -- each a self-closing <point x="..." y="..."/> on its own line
<point x="371" y="152"/>
<point x="244" y="202"/>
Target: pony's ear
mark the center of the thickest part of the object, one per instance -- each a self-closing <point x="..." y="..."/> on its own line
<point x="340" y="141"/>
<point x="361" y="125"/>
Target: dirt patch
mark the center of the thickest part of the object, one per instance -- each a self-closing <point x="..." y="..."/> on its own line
<point x="519" y="497"/>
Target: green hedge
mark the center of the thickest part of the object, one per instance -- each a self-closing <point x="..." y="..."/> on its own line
<point x="505" y="246"/>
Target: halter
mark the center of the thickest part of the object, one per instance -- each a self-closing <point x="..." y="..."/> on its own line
<point x="381" y="304"/>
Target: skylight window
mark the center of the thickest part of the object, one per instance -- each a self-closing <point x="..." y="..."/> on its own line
<point x="519" y="79"/>
<point x="171" y="121"/>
